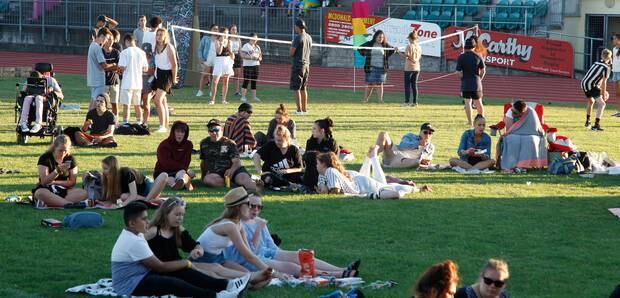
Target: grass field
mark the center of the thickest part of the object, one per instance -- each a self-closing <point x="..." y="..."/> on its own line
<point x="555" y="232"/>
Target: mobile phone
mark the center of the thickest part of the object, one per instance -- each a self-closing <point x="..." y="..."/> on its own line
<point x="51" y="223"/>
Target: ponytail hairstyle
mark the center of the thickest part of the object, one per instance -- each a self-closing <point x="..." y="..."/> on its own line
<point x="330" y="160"/>
<point x="282" y="110"/>
<point x="326" y="124"/>
<point x="413" y="36"/>
<point x="606" y="56"/>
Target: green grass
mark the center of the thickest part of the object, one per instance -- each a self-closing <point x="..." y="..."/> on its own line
<point x="556" y="233"/>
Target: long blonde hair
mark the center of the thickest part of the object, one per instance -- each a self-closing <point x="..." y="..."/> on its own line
<point x="111" y="183"/>
<point x="160" y="218"/>
<point x="166" y="37"/>
<point x="282" y="131"/>
<point x="61" y="140"/>
<point x="232" y="213"/>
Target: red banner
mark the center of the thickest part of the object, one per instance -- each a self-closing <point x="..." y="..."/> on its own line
<point x="517" y="52"/>
<point x="337" y="26"/>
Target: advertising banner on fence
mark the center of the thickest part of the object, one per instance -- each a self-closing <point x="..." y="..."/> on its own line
<point x="518" y="52"/>
<point x="337" y="27"/>
<point x="397" y="30"/>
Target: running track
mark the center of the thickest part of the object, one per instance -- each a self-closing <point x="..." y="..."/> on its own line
<point x="495" y="86"/>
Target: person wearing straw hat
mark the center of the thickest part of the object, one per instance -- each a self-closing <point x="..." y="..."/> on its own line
<point x="300" y="66"/>
<point x="470" y="69"/>
<point x="225" y="231"/>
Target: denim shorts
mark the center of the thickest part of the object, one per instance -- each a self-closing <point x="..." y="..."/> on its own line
<point x="615" y="76"/>
<point x="376" y="75"/>
<point x="210" y="258"/>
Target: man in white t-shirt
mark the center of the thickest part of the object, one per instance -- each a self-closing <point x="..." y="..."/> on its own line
<point x="136" y="271"/>
<point x="133" y="64"/>
<point x="149" y="35"/>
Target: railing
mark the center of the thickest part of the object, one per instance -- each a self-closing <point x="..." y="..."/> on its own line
<point x="71" y="14"/>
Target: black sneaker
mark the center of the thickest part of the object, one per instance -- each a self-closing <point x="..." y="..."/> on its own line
<point x="588" y="125"/>
<point x="597" y="127"/>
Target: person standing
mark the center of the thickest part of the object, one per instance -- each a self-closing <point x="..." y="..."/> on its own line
<point x="470" y="69"/>
<point x="133" y="64"/>
<point x="223" y="65"/>
<point x="112" y="79"/>
<point x="300" y="66"/>
<point x="615" y="68"/>
<point x="594" y="86"/>
<point x="412" y="56"/>
<point x="206" y="53"/>
<point x="166" y="67"/>
<point x="376" y="64"/>
<point x="235" y="46"/>
<point x="138" y="33"/>
<point x="96" y="66"/>
<point x="252" y="56"/>
<point x="149" y="36"/>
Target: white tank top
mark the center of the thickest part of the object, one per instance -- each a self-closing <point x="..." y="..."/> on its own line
<point x="162" y="61"/>
<point x="615" y="64"/>
<point x="212" y="242"/>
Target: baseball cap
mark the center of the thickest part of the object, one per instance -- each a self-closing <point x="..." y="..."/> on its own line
<point x="300" y="23"/>
<point x="245" y="107"/>
<point x="213" y="122"/>
<point x="470" y="43"/>
<point x="427" y="126"/>
<point x="147" y="47"/>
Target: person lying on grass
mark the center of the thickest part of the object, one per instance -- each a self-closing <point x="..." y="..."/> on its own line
<point x="413" y="150"/>
<point x="335" y="179"/>
<point x="286" y="261"/>
<point x="129" y="184"/>
<point x="490" y="284"/>
<point x="226" y="231"/>
<point x="136" y="271"/>
<point x="174" y="155"/>
<point x="475" y="148"/>
<point x="58" y="170"/>
<point x="438" y="281"/>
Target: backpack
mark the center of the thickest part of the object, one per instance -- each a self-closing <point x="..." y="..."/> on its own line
<point x="565" y="166"/>
<point x="85" y="219"/>
<point x="92" y="185"/>
<point x="132" y="129"/>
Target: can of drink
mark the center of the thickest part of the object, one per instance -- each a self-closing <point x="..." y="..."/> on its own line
<point x="306" y="261"/>
<point x="227" y="181"/>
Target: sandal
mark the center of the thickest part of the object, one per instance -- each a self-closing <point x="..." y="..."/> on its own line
<point x="179" y="184"/>
<point x="355" y="265"/>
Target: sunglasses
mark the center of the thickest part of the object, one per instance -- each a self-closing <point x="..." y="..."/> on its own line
<point x="496" y="283"/>
<point x="214" y="130"/>
<point x="259" y="207"/>
<point x="176" y="201"/>
<point x="427" y="132"/>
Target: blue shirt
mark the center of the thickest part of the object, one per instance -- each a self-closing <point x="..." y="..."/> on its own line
<point x="467" y="141"/>
<point x="203" y="49"/>
<point x="266" y="248"/>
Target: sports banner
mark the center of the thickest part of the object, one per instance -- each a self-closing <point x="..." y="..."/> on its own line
<point x="397" y="30"/>
<point x="338" y="28"/>
<point x="517" y="52"/>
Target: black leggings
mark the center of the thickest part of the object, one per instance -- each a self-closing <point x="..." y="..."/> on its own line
<point x="411" y="86"/>
<point x="250" y="75"/>
<point x="183" y="283"/>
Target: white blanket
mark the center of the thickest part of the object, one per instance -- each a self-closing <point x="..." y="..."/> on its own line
<point x="103" y="287"/>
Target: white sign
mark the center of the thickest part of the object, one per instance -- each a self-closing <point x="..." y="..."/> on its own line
<point x="397" y="30"/>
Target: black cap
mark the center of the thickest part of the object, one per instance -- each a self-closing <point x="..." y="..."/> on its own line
<point x="147" y="47"/>
<point x="245" y="107"/>
<point x="213" y="122"/>
<point x="427" y="126"/>
<point x="301" y="24"/>
<point x="470" y="43"/>
<point x="101" y="18"/>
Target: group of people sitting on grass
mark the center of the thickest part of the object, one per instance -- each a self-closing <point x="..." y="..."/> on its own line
<point x="234" y="252"/>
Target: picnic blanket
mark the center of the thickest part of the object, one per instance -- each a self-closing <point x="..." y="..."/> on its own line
<point x="524" y="145"/>
<point x="615" y="211"/>
<point x="102" y="287"/>
<point x="472" y="171"/>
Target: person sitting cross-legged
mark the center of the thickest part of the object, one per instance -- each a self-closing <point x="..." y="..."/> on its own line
<point x="98" y="128"/>
<point x="475" y="148"/>
<point x="220" y="159"/>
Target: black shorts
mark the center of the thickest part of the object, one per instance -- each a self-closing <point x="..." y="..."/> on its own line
<point x="299" y="77"/>
<point x="594" y="92"/>
<point x="471" y="94"/>
<point x="163" y="81"/>
<point x="473" y="160"/>
<point x="234" y="175"/>
<point x="55" y="189"/>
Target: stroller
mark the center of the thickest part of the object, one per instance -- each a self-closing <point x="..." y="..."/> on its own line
<point x="38" y="86"/>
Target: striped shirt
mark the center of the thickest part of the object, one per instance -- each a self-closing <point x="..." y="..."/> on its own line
<point x="239" y="130"/>
<point x="334" y="179"/>
<point x="598" y="72"/>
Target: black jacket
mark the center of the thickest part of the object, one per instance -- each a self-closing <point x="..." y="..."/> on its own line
<point x="389" y="51"/>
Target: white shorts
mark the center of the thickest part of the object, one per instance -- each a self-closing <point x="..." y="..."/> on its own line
<point x="112" y="91"/>
<point x="131" y="96"/>
<point x="223" y="66"/>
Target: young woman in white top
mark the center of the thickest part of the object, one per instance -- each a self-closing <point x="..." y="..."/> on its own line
<point x="334" y="178"/>
<point x="223" y="65"/>
<point x="165" y="75"/>
<point x="412" y="56"/>
<point x="252" y="56"/>
<point x="235" y="46"/>
<point x="225" y="231"/>
<point x="615" y="70"/>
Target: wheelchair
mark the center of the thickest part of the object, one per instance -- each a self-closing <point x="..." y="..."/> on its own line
<point x="51" y="104"/>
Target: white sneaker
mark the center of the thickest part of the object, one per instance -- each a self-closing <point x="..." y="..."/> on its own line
<point x="256" y="99"/>
<point x="162" y="129"/>
<point x="226" y="294"/>
<point x="617" y="114"/>
<point x="36" y="128"/>
<point x="299" y="113"/>
<point x="238" y="284"/>
<point x="244" y="99"/>
<point x="24" y="127"/>
<point x="405" y="104"/>
<point x="199" y="93"/>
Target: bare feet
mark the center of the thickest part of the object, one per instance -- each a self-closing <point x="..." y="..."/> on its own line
<point x="260" y="279"/>
<point x="372" y="151"/>
<point x="190" y="186"/>
<point x="426" y="188"/>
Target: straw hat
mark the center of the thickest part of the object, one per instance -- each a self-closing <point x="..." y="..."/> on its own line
<point x="236" y="196"/>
